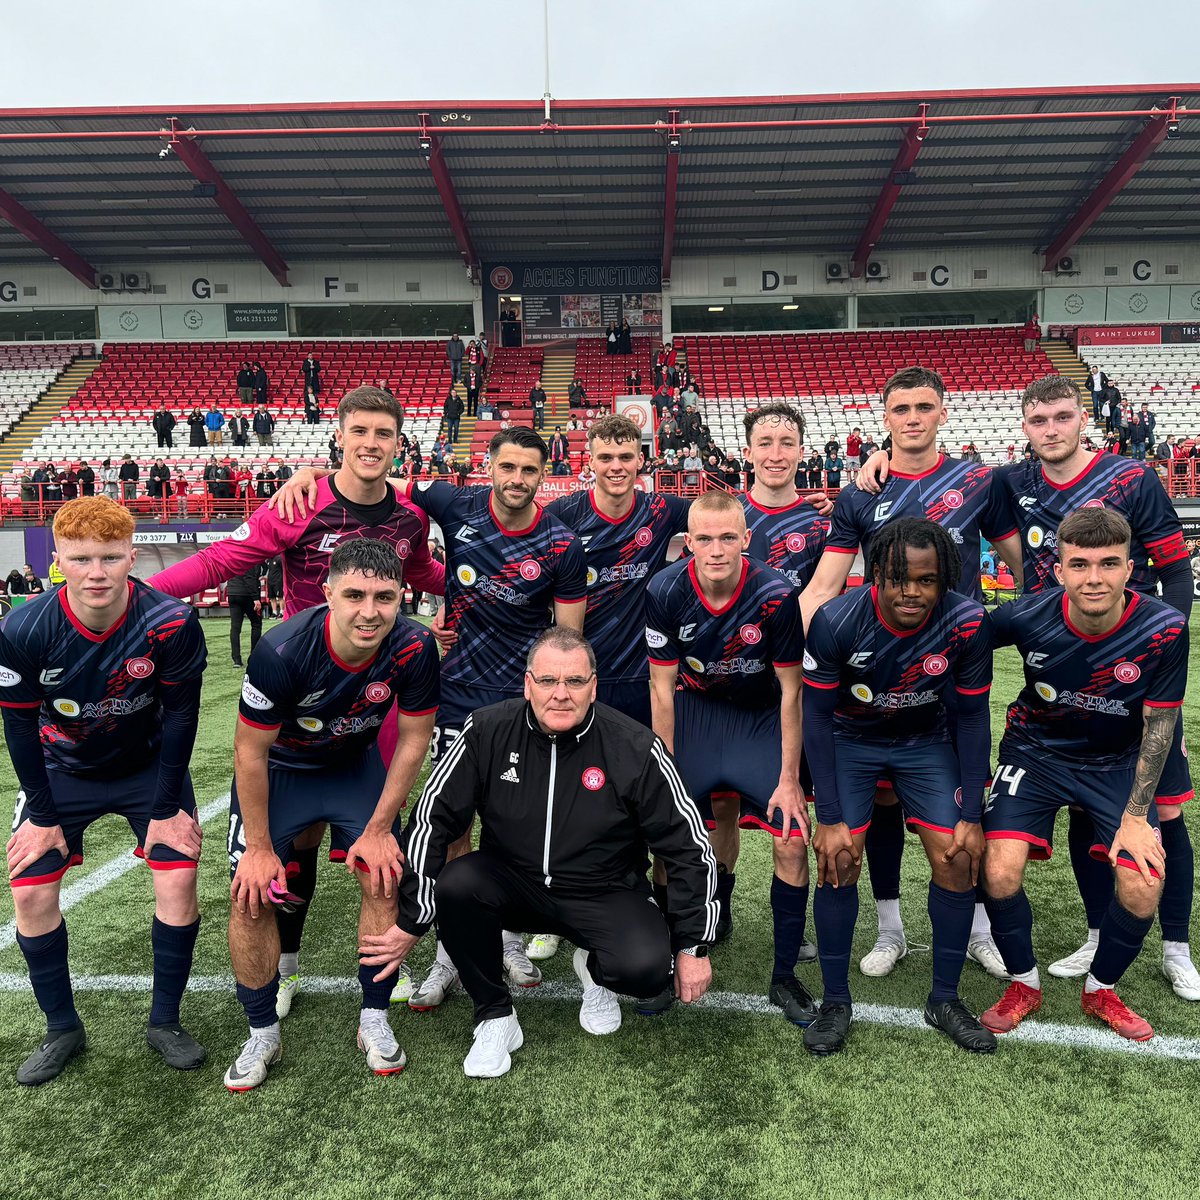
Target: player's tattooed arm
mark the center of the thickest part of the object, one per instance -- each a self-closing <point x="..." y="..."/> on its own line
<point x="1158" y="730"/>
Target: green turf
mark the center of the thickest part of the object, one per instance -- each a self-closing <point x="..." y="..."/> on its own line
<point x="694" y="1104"/>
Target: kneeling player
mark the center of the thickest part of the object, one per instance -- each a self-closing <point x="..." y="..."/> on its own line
<point x="879" y="663"/>
<point x="726" y="629"/>
<point x="316" y="692"/>
<point x="1105" y="674"/>
<point x="100" y="687"/>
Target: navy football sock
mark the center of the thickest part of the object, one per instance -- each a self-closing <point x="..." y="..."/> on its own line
<point x="303" y="884"/>
<point x="950" y="914"/>
<point x="885" y="849"/>
<point x="1121" y="938"/>
<point x="835" y="910"/>
<point x="1095" y="878"/>
<point x="173" y="949"/>
<point x="1012" y="929"/>
<point x="50" y="976"/>
<point x="725" y="882"/>
<point x="789" y="905"/>
<point x="1175" y="908"/>
<point x="376" y="995"/>
<point x="259" y="1003"/>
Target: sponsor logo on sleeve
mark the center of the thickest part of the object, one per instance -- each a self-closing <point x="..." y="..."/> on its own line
<point x="592" y="576"/>
<point x="8" y="678"/>
<point x="242" y="532"/>
<point x="254" y="698"/>
<point x="1036" y="536"/>
<point x="810" y="663"/>
<point x="654" y="639"/>
<point x="466" y="575"/>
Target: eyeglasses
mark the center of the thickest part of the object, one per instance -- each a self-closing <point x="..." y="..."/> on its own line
<point x="574" y="682"/>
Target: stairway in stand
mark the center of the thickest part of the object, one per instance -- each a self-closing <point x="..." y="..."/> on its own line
<point x="47" y="406"/>
<point x="558" y="370"/>
<point x="466" y="426"/>
<point x="1066" y="362"/>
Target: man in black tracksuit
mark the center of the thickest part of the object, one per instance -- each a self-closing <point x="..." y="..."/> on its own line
<point x="244" y="593"/>
<point x="570" y="794"/>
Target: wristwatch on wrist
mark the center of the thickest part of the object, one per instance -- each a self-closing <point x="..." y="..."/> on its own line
<point x="698" y="951"/>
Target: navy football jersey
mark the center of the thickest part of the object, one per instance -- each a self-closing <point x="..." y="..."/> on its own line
<point x="788" y="539"/>
<point x="1083" y="696"/>
<point x="892" y="684"/>
<point x="621" y="556"/>
<point x="500" y="585"/>
<point x="726" y="653"/>
<point x="99" y="693"/>
<point x="1037" y="506"/>
<point x="958" y="495"/>
<point x="324" y="709"/>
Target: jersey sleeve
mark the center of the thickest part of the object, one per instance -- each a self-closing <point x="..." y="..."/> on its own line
<point x="973" y="669"/>
<point x="420" y="692"/>
<point x="421" y="569"/>
<point x="1157" y="523"/>
<point x="185" y="650"/>
<point x="437" y="499"/>
<point x="822" y="659"/>
<point x="679" y="508"/>
<point x="786" y="628"/>
<point x="1003" y="622"/>
<point x="268" y="694"/>
<point x="997" y="519"/>
<point x="661" y="646"/>
<point x="570" y="584"/>
<point x="843" y="535"/>
<point x="1170" y="680"/>
<point x="19" y="682"/>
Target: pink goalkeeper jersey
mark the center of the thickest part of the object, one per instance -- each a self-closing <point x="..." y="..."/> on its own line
<point x="305" y="546"/>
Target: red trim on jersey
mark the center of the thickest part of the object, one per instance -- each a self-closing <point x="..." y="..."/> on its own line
<point x="762" y="508"/>
<point x="1172" y="547"/>
<point x="345" y="666"/>
<point x="973" y="691"/>
<point x="1040" y="847"/>
<point x="20" y="704"/>
<point x="797" y="663"/>
<point x="1131" y="599"/>
<point x="1172" y="801"/>
<point x="1062" y="487"/>
<point x="256" y="725"/>
<point x="568" y="603"/>
<point x="537" y="509"/>
<point x="1162" y="703"/>
<point x="829" y="687"/>
<point x="91" y="634"/>
<point x="422" y="712"/>
<point x="737" y="591"/>
<point x="605" y="517"/>
<point x="1001" y="537"/>
<point x="664" y="662"/>
<point x="33" y="880"/>
<point x="883" y="619"/>
<point x="941" y="458"/>
<point x="840" y="550"/>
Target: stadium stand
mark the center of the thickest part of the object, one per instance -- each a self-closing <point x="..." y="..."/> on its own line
<point x="603" y="374"/>
<point x="25" y="373"/>
<point x="1165" y="377"/>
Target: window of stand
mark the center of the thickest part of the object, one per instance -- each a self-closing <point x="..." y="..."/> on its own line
<point x="787" y="313"/>
<point x="380" y="320"/>
<point x="981" y="307"/>
<point x="47" y="324"/>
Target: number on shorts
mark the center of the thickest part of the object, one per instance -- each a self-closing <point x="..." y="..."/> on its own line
<point x="1011" y="776"/>
<point x="237" y="839"/>
<point x="452" y="736"/>
<point x="19" y="811"/>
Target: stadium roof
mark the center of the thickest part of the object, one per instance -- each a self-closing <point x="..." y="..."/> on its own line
<point x="603" y="179"/>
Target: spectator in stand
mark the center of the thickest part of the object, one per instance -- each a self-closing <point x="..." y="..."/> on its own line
<point x="416" y="459"/>
<point x="262" y="385"/>
<point x="633" y="382"/>
<point x="1112" y="442"/>
<point x="214" y="423"/>
<point x="70" y="483"/>
<point x="244" y="594"/>
<point x="163" y="422"/>
<point x="266" y="483"/>
<point x="209" y="476"/>
<point x="670" y="434"/>
<point x="335" y="452"/>
<point x="485" y="348"/>
<point x="242" y="479"/>
<point x="867" y="448"/>
<point x="159" y="483"/>
<point x="245" y="383"/>
<point x="815" y="467"/>
<point x="452" y="410"/>
<point x="32" y="582"/>
<point x="27" y="488"/>
<point x="834" y="466"/>
<point x="689" y="397"/>
<point x="109" y="478"/>
<point x="239" y="428"/>
<point x="1140" y="432"/>
<point x="1150" y="421"/>
<point x="576" y="394"/>
<point x="196" y="428"/>
<point x="53" y="484"/>
<point x="560" y="453"/>
<point x="129" y="474"/>
<point x="312" y="409"/>
<point x="575" y="423"/>
<point x="454" y="356"/>
<point x="625" y="339"/>
<point x="181" y="495"/>
<point x="311" y="370"/>
<point x="692" y="460"/>
<point x="1125" y="428"/>
<point x="853" y="443"/>
<point x="537" y="400"/>
<point x="587" y="477"/>
<point x="612" y="339"/>
<point x="461" y="467"/>
<point x="663" y="401"/>
<point x="275" y="589"/>
<point x="15" y="583"/>
<point x="1032" y="334"/>
<point x="1097" y="381"/>
<point x="831" y="447"/>
<point x="225" y="480"/>
<point x="437" y="453"/>
<point x="474" y="386"/>
<point x="1110" y="408"/>
<point x="264" y="426"/>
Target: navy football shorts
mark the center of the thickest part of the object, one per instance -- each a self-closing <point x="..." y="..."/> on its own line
<point x="80" y="801"/>
<point x="457" y="704"/>
<point x="629" y="696"/>
<point x="1027" y="793"/>
<point x="925" y="779"/>
<point x="344" y="796"/>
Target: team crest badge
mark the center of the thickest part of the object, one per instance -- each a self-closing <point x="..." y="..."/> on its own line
<point x="1127" y="672"/>
<point x="644" y="536"/>
<point x="139" y="668"/>
<point x="530" y="569"/>
<point x="750" y="634"/>
<point x="935" y="664"/>
<point x="378" y="692"/>
<point x="593" y="779"/>
<point x="953" y="499"/>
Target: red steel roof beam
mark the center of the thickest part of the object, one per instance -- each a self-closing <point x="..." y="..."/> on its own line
<point x="1153" y="133"/>
<point x="905" y="157"/>
<point x="202" y="168"/>
<point x="445" y="188"/>
<point x="669" y="195"/>
<point x="26" y="224"/>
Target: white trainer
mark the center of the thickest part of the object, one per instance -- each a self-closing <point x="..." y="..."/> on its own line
<point x="1185" y="979"/>
<point x="890" y="947"/>
<point x="600" y="1012"/>
<point x="377" y="1041"/>
<point x="440" y="980"/>
<point x="1075" y="964"/>
<point x="260" y="1053"/>
<point x="495" y="1042"/>
<point x="542" y="946"/>
<point x="404" y="988"/>
<point x="288" y="987"/>
<point x="520" y="971"/>
<point x="984" y="951"/>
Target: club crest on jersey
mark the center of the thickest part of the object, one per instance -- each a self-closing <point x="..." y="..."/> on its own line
<point x="530" y="569"/>
<point x="935" y="664"/>
<point x="644" y="536"/>
<point x="750" y="634"/>
<point x="862" y="693"/>
<point x="1127" y="672"/>
<point x="403" y="548"/>
<point x="794" y="542"/>
<point x="139" y="668"/>
<point x="378" y="692"/>
<point x="1036" y="536"/>
<point x="953" y="498"/>
<point x="1046" y="692"/>
<point x="1093" y="504"/>
<point x="254" y="698"/>
<point x="68" y="708"/>
<point x="695" y="664"/>
<point x="8" y="678"/>
<point x="958" y="797"/>
<point x="466" y="575"/>
<point x="593" y="779"/>
<point x="312" y="724"/>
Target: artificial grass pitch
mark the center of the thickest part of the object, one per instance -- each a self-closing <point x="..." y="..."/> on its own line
<point x="700" y="1102"/>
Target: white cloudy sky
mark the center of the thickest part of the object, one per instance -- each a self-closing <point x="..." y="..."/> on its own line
<point x="75" y="53"/>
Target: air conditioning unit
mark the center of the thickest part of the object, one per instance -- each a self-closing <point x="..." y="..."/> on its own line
<point x="135" y="281"/>
<point x="836" y="272"/>
<point x="108" y="281"/>
<point x="878" y="270"/>
<point x="1066" y="266"/>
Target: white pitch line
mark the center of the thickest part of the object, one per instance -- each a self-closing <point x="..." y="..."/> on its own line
<point x="112" y="870"/>
<point x="1044" y="1033"/>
